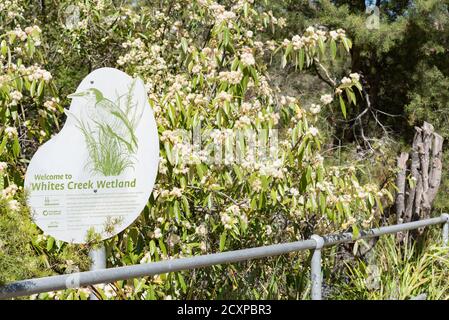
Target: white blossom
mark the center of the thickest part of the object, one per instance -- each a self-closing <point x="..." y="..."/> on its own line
<point x="326" y="99"/>
<point x="11" y="132"/>
<point x="346" y="80"/>
<point x="157" y="233"/>
<point x="247" y="59"/>
<point x="315" y="108"/>
<point x="313" y="131"/>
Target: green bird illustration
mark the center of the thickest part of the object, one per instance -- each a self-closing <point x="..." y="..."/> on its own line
<point x="109" y="128"/>
<point x="109" y="117"/>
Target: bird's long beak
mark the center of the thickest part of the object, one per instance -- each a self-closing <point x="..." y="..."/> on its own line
<point x="75" y="95"/>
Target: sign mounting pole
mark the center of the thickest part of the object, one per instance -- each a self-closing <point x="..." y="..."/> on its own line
<point x="98" y="257"/>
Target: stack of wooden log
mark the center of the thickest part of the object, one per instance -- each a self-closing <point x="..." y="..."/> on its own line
<point x="419" y="175"/>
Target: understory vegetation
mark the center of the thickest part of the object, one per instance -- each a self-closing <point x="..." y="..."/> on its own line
<point x="329" y="100"/>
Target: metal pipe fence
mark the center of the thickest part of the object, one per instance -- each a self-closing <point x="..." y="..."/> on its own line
<point x="316" y="243"/>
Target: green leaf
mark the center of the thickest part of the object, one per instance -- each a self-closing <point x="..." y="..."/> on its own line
<point x="347" y="44"/>
<point x="185" y="204"/>
<point x="283" y="62"/>
<point x="333" y="46"/>
<point x="223" y="240"/>
<point x="342" y="106"/>
<point x="182" y="282"/>
<point x="274" y="195"/>
<point x="288" y="50"/>
<point x="355" y="231"/>
<point x="350" y="94"/>
<point x="301" y="58"/>
<point x="50" y="243"/>
<point x="3" y="144"/>
<point x="322" y="203"/>
<point x="168" y="152"/>
<point x="40" y="88"/>
<point x="33" y="88"/>
<point x="4" y="48"/>
<point x="225" y="37"/>
<point x="152" y="247"/>
<point x="321" y="45"/>
<point x="184" y="45"/>
<point x="16" y="147"/>
<point x="162" y="246"/>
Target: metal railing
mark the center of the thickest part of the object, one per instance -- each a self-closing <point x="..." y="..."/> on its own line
<point x="316" y="243"/>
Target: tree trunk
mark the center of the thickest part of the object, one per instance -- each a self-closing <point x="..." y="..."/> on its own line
<point x="414" y="200"/>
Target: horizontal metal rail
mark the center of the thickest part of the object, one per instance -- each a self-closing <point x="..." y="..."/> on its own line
<point x="82" y="279"/>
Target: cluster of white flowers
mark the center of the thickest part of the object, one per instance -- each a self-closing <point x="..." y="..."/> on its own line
<point x="15" y="96"/>
<point x="146" y="59"/>
<point x="137" y="52"/>
<point x="346" y="80"/>
<point x="280" y="22"/>
<point x="309" y="39"/>
<point x="264" y="88"/>
<point x="108" y="290"/>
<point x="34" y="73"/>
<point x="51" y="104"/>
<point x="268" y="230"/>
<point x="353" y="77"/>
<point x="247" y="59"/>
<point x="325" y="186"/>
<point x="313" y="131"/>
<point x="286" y="100"/>
<point x="232" y="216"/>
<point x="11" y="132"/>
<point x="33" y="30"/>
<point x="187" y="153"/>
<point x="224" y="96"/>
<point x="268" y="117"/>
<point x="173" y="240"/>
<point x="176" y="192"/>
<point x="146" y="258"/>
<point x="13" y="205"/>
<point x="233" y="77"/>
<point x="221" y="14"/>
<point x="326" y="99"/>
<point x="219" y="136"/>
<point x="11" y="8"/>
<point x="294" y="192"/>
<point x="163" y="168"/>
<point x="9" y="191"/>
<point x="157" y="233"/>
<point x="201" y="230"/>
<point x="348" y="223"/>
<point x="315" y="108"/>
<point x="243" y="122"/>
<point x="18" y="33"/>
<point x="336" y="34"/>
<point x="173" y="136"/>
<point x="272" y="169"/>
<point x="3" y="166"/>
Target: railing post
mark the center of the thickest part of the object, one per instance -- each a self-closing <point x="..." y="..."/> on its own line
<point x="446" y="230"/>
<point x="315" y="272"/>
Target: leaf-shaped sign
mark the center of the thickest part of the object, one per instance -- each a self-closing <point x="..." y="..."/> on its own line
<point x="98" y="172"/>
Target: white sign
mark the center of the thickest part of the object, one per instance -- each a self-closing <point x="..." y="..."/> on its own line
<point x="97" y="174"/>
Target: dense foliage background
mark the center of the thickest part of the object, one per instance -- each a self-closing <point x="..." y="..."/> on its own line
<point x="336" y="94"/>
